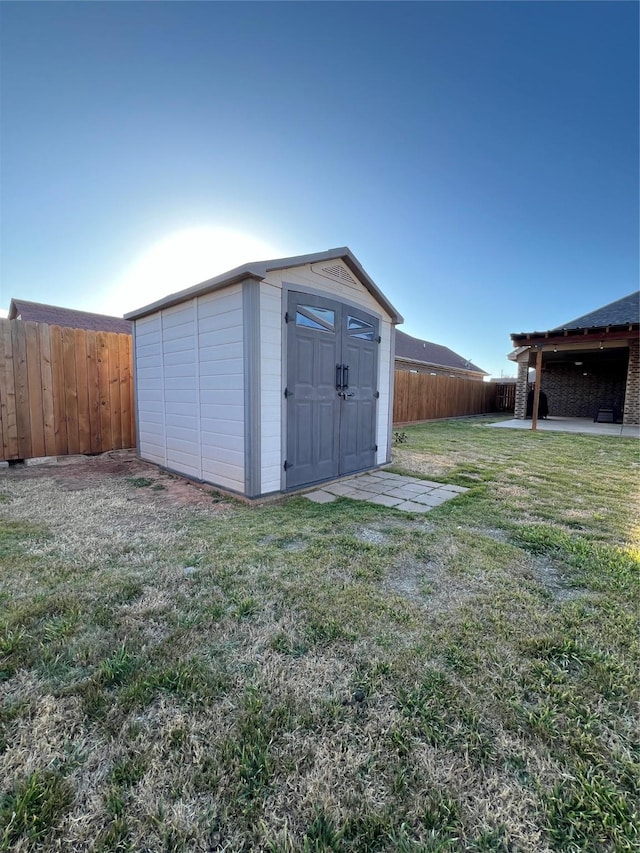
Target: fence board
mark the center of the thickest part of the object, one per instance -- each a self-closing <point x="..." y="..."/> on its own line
<point x="84" y="425"/>
<point x="124" y="342"/>
<point x="104" y="388"/>
<point x="114" y="389"/>
<point x="57" y="373"/>
<point x="63" y="391"/>
<point x="34" y="384"/>
<point x="93" y="392"/>
<point x="46" y="376"/>
<point x="423" y="397"/>
<point x="21" y="379"/>
<point x="70" y="390"/>
<point x="8" y="394"/>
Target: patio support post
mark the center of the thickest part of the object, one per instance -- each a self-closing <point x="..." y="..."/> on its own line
<point x="536" y="389"/>
<point x="522" y="387"/>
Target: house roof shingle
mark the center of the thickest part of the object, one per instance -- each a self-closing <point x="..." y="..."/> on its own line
<point x="415" y="349"/>
<point x="54" y="315"/>
<point x="618" y="313"/>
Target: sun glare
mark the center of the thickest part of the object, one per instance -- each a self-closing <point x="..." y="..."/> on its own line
<point x="182" y="260"/>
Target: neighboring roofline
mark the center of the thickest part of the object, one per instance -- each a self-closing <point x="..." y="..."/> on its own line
<point x="18" y="305"/>
<point x="473" y="368"/>
<point x="438" y="365"/>
<point x="258" y="271"/>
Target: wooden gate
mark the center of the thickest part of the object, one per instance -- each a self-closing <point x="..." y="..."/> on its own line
<point x="63" y="391"/>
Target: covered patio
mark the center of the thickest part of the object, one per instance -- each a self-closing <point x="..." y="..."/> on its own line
<point x="585" y="371"/>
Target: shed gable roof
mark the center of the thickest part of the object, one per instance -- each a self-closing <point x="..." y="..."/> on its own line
<point x="427" y="352"/>
<point x="55" y="315"/>
<point x="258" y="271"/>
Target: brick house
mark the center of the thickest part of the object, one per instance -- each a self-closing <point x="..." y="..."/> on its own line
<point x="421" y="356"/>
<point x="588" y="366"/>
<point x="54" y="315"/>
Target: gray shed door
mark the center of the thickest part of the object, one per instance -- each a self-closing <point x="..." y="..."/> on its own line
<point x="332" y="368"/>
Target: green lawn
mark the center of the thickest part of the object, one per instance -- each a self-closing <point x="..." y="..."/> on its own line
<point x="341" y="677"/>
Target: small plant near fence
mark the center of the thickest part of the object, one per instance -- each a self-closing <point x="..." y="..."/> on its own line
<point x="400" y="437"/>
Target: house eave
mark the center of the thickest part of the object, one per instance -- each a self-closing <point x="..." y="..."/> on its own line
<point x="586" y="335"/>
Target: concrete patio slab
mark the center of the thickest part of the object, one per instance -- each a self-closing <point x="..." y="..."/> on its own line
<point x="576" y="425"/>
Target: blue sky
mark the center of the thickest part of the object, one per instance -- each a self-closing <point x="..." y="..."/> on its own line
<point x="480" y="159"/>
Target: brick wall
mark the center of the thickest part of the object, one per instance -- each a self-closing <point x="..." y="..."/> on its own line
<point x="632" y="402"/>
<point x="522" y="388"/>
<point x="571" y="394"/>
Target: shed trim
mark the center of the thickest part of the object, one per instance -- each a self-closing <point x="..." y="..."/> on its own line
<point x="258" y="271"/>
<point x="252" y="385"/>
<point x="136" y="401"/>
<point x="392" y="379"/>
<point x="163" y="391"/>
<point x="196" y="365"/>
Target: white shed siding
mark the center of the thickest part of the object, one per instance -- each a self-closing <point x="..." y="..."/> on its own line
<point x="150" y="389"/>
<point x="181" y="388"/>
<point x="270" y="388"/>
<point x="221" y="387"/>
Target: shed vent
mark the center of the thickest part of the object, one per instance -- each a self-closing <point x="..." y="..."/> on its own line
<point x="338" y="271"/>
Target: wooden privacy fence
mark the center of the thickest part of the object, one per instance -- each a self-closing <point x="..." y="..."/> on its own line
<point x="423" y="397"/>
<point x="63" y="391"/>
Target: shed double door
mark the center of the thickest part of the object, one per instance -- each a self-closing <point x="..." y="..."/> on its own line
<point x="332" y="369"/>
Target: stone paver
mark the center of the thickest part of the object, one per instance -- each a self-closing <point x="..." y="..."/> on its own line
<point x="401" y="492"/>
<point x="376" y="488"/>
<point x="342" y="489"/>
<point x="384" y="500"/>
<point x="412" y="506"/>
<point x="320" y="497"/>
<point x="409" y="494"/>
<point x="430" y="499"/>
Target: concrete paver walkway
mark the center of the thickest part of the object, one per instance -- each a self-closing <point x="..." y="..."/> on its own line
<point x="409" y="494"/>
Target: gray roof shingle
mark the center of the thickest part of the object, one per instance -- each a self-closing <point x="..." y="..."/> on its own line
<point x="430" y="353"/>
<point x="54" y="315"/>
<point x="618" y="313"/>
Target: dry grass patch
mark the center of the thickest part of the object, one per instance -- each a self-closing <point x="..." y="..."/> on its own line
<point x="183" y="673"/>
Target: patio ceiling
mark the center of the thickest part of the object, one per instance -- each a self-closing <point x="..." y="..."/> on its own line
<point x="609" y="354"/>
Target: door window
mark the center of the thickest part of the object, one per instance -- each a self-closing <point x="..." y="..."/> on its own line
<point x="323" y="319"/>
<point x="357" y="328"/>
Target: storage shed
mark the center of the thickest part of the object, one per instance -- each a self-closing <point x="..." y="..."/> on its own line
<point x="271" y="377"/>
